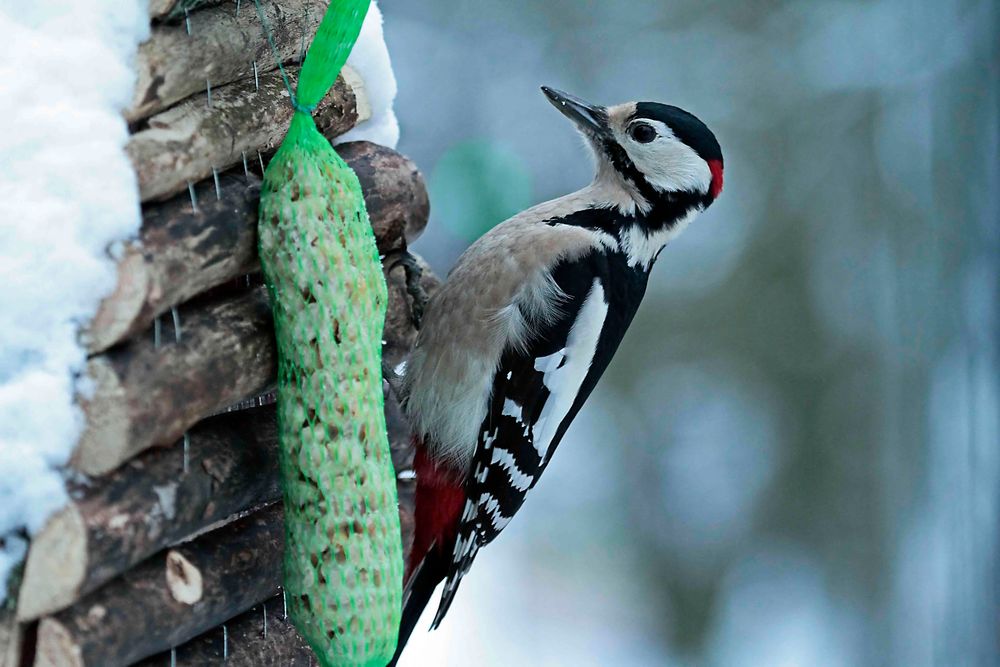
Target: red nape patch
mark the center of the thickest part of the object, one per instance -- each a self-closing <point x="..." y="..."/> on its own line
<point x="439" y="501"/>
<point x="716" y="167"/>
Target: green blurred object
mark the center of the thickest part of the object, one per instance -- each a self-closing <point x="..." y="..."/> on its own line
<point x="343" y="560"/>
<point x="478" y="184"/>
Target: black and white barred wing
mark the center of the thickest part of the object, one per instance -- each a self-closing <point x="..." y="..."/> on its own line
<point x="537" y="390"/>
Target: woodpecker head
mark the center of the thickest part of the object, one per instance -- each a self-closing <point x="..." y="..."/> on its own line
<point x="659" y="151"/>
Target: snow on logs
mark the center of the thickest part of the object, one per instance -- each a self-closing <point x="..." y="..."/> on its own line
<point x="180" y="530"/>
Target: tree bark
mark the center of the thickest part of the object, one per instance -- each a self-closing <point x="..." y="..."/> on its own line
<point x="150" y="503"/>
<point x="400" y="333"/>
<point x="261" y="637"/>
<point x="186" y="590"/>
<point x="11" y="637"/>
<point x="221" y="47"/>
<point x="146" y="395"/>
<point x="185" y="143"/>
<point x="182" y="252"/>
<point x="401" y="446"/>
<point x="157" y="499"/>
<point x="170" y="598"/>
<point x="395" y="193"/>
<point x="174" y="9"/>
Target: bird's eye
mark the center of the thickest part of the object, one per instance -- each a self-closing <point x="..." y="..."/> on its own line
<point x="642" y="132"/>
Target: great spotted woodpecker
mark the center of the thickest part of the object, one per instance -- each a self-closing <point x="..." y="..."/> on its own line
<point x="516" y="339"/>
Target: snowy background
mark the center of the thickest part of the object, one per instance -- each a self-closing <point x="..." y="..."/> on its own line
<point x="793" y="461"/>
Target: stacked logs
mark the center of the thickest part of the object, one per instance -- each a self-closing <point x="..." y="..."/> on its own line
<point x="169" y="550"/>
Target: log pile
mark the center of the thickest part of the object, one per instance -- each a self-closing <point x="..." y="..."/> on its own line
<point x="169" y="550"/>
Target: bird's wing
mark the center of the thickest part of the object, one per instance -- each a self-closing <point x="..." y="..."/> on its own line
<point x="537" y="390"/>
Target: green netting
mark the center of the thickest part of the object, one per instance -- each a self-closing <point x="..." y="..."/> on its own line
<point x="343" y="561"/>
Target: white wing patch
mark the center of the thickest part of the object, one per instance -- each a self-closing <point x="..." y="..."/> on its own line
<point x="551" y="362"/>
<point x="563" y="380"/>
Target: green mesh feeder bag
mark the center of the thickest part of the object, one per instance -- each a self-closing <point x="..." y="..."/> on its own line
<point x="343" y="561"/>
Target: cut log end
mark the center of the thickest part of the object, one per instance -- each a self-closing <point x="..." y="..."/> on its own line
<point x="11" y="638"/>
<point x="139" y="615"/>
<point x="56" y="646"/>
<point x="104" y="441"/>
<point x="184" y="580"/>
<point x="363" y="107"/>
<point x="56" y="565"/>
<point x="119" y="310"/>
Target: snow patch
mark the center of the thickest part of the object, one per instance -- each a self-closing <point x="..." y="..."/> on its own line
<point x="370" y="59"/>
<point x="67" y="191"/>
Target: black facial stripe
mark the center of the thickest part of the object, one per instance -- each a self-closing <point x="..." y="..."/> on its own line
<point x="667" y="207"/>
<point x="685" y="126"/>
<point x="623" y="165"/>
<point x="666" y="210"/>
<point x="599" y="219"/>
<point x="670" y="207"/>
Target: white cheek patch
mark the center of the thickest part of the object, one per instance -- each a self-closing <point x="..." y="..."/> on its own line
<point x="668" y="164"/>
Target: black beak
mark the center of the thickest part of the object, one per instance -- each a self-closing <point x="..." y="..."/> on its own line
<point x="591" y="119"/>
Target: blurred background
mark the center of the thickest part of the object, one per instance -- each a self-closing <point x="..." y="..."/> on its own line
<point x="793" y="459"/>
